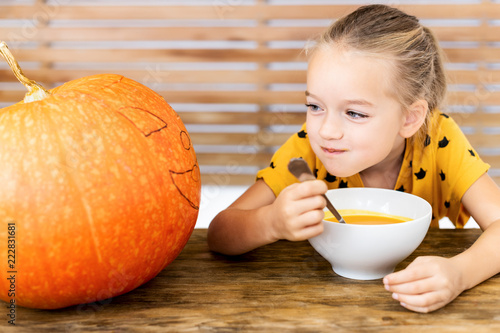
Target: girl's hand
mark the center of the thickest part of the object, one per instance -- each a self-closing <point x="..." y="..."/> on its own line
<point x="297" y="212"/>
<point x="427" y="284"/>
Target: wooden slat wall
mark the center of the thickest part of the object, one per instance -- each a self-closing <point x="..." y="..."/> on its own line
<point x="233" y="69"/>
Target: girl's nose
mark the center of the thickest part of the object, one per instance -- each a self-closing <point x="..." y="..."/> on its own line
<point x="331" y="129"/>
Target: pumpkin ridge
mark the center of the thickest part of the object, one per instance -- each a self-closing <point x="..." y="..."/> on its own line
<point x="69" y="176"/>
<point x="90" y="220"/>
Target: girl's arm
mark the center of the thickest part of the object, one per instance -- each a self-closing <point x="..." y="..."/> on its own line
<point x="482" y="260"/>
<point x="258" y="218"/>
<point x="430" y="283"/>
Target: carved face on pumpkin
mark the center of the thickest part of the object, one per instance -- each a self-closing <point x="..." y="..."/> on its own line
<point x="149" y="124"/>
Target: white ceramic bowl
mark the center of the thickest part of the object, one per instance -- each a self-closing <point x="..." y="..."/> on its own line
<point x="367" y="252"/>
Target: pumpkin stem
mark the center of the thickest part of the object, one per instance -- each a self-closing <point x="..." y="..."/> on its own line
<point x="35" y="91"/>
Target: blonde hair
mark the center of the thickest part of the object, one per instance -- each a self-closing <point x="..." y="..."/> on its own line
<point x="385" y="32"/>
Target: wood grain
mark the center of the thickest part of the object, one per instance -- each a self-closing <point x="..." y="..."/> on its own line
<point x="285" y="286"/>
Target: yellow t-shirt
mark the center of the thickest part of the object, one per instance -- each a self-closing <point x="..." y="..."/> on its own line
<point x="439" y="171"/>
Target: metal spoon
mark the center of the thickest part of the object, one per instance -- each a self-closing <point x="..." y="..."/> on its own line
<point x="299" y="168"/>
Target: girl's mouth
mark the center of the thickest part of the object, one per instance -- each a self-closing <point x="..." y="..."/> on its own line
<point x="333" y="150"/>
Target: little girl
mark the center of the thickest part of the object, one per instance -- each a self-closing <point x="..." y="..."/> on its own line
<point x="374" y="84"/>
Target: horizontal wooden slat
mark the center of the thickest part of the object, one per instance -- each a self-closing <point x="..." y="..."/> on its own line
<point x="476" y="119"/>
<point x="158" y="55"/>
<point x="231" y="10"/>
<point x="263" y="97"/>
<point x="239" y="139"/>
<point x="267" y="97"/>
<point x="459" y="55"/>
<point x="479" y="140"/>
<point x="226" y="179"/>
<point x="254" y="118"/>
<point x="153" y="74"/>
<point x="493" y="160"/>
<point x="478" y="77"/>
<point x="475" y="98"/>
<point x="261" y="159"/>
<point x="259" y="33"/>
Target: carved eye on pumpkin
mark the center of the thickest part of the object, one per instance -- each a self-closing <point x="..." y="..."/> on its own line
<point x="145" y="121"/>
<point x="186" y="140"/>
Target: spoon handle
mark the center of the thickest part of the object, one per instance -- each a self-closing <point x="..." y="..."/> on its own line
<point x="333" y="210"/>
<point x="299" y="168"/>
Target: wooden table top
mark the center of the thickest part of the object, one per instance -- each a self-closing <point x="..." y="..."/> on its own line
<point x="285" y="286"/>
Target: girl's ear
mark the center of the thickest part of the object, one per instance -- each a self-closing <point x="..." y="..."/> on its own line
<point x="414" y="118"/>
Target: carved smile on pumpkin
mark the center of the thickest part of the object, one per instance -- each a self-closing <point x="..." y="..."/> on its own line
<point x="188" y="192"/>
<point x="183" y="185"/>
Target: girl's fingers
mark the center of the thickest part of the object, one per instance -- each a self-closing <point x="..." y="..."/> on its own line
<point x="311" y="204"/>
<point x="310" y="188"/>
<point x="304" y="229"/>
<point x="300" y="198"/>
<point x="413" y="287"/>
<point x="308" y="219"/>
<point x="303" y="212"/>
<point x="405" y="276"/>
<point x="423" y="309"/>
<point x="312" y="231"/>
<point x="421" y="303"/>
<point x="419" y="269"/>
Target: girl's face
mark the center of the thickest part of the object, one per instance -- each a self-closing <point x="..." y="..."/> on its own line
<point x="353" y="122"/>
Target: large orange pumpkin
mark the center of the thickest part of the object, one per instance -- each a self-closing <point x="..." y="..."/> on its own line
<point x="99" y="190"/>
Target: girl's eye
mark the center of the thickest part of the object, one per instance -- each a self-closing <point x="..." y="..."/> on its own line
<point x="356" y="115"/>
<point x="313" y="107"/>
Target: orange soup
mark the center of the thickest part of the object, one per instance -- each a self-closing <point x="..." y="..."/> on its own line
<point x="358" y="216"/>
